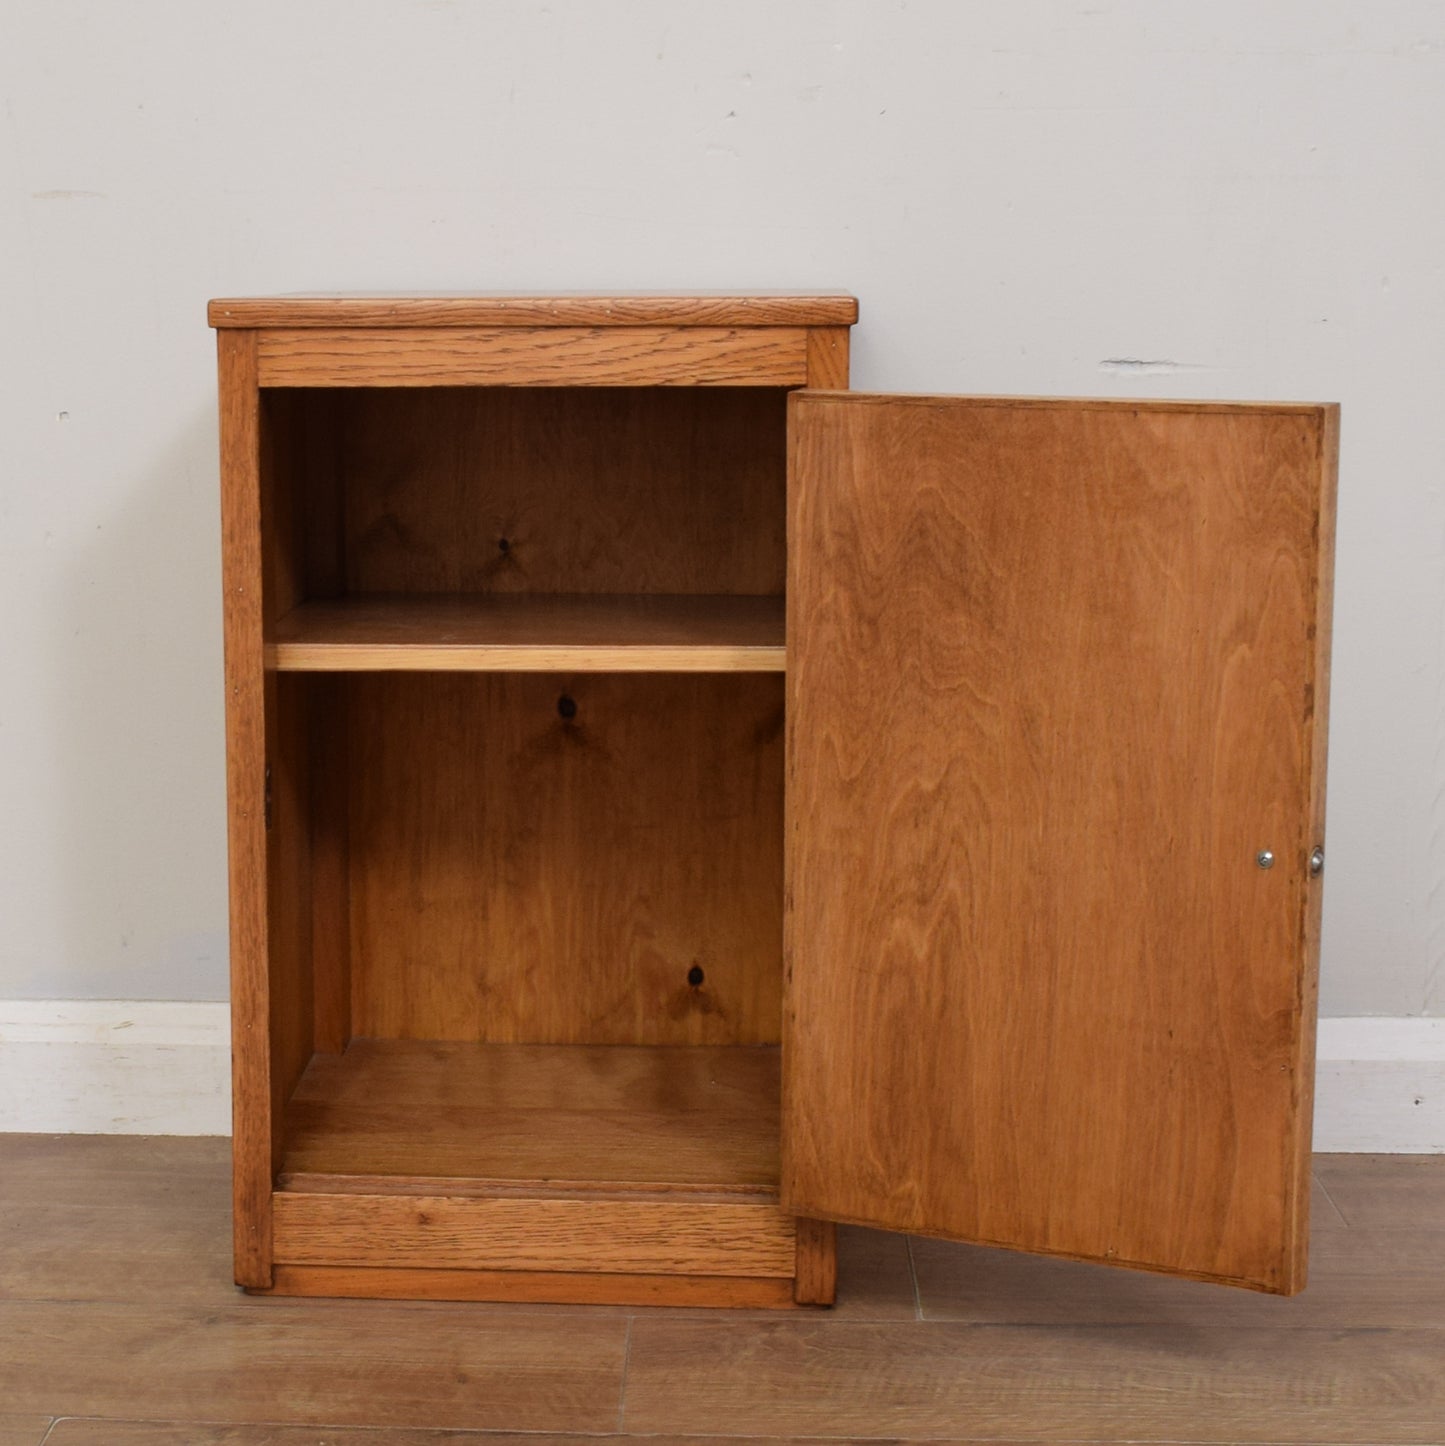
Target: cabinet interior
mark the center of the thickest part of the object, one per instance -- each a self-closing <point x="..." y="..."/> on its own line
<point x="526" y="785"/>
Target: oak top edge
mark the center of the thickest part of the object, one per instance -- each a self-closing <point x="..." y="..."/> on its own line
<point x="810" y="396"/>
<point x="658" y="308"/>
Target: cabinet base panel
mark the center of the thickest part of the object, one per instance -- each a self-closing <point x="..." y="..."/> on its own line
<point x="536" y="1286"/>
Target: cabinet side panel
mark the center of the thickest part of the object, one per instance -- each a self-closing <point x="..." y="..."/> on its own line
<point x="289" y="896"/>
<point x="302" y="438"/>
<point x="287" y="481"/>
<point x="553" y="859"/>
<point x="330" y="874"/>
<point x="303" y="558"/>
<point x="1055" y="685"/>
<point x="245" y="800"/>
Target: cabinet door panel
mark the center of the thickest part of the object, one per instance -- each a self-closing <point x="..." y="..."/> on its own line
<point x="1056" y="682"/>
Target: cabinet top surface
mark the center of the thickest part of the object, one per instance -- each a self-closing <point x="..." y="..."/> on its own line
<point x="619" y="308"/>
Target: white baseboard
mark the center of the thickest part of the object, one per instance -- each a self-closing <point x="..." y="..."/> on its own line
<point x="159" y="1068"/>
<point x="1380" y="1086"/>
<point x="115" y="1067"/>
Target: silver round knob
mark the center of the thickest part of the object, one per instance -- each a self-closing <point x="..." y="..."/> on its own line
<point x="1265" y="859"/>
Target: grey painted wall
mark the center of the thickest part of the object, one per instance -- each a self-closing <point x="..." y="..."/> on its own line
<point x="1239" y="199"/>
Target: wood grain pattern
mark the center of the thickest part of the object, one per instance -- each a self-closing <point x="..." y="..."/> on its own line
<point x="534" y="357"/>
<point x="1354" y="1359"/>
<point x="152" y="1223"/>
<point x="807" y="1375"/>
<point x="518" y="875"/>
<point x="576" y="856"/>
<point x="330" y="871"/>
<point x="324" y="1363"/>
<point x="828" y="357"/>
<point x="304" y="492"/>
<point x="23" y="1430"/>
<point x="569" y="1117"/>
<point x="115" y="1171"/>
<point x="76" y="1432"/>
<point x="242" y="581"/>
<point x="172" y="1250"/>
<point x="1359" y="1279"/>
<point x="585" y="490"/>
<point x="1316" y="746"/>
<point x="628" y="1237"/>
<point x="289" y="899"/>
<point x="816" y="1274"/>
<point x="525" y="632"/>
<point x="167" y="1433"/>
<point x="287" y="792"/>
<point x="302" y="433"/>
<point x="873" y="1265"/>
<point x="536" y="1287"/>
<point x="1052" y="686"/>
<point x="1386" y="1192"/>
<point x="700" y="308"/>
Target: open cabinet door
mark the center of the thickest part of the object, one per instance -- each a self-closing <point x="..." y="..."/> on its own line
<point x="1057" y="675"/>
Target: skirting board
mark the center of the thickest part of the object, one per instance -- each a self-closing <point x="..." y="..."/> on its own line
<point x="115" y="1067"/>
<point x="161" y="1068"/>
<point x="1380" y="1086"/>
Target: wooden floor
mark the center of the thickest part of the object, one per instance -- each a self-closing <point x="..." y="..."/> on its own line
<point x="119" y="1327"/>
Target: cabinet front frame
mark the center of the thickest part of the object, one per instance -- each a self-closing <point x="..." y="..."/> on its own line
<point x="256" y="594"/>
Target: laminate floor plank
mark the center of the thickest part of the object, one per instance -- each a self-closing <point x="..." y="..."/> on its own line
<point x="124" y="1253"/>
<point x="1386" y="1192"/>
<point x="356" y="1363"/>
<point x="23" y="1430"/>
<point x="116" y="1306"/>
<point x="1358" y="1279"/>
<point x="1324" y="1213"/>
<point x="875" y="1276"/>
<point x="1040" y="1384"/>
<point x="76" y="1432"/>
<point x="164" y="1171"/>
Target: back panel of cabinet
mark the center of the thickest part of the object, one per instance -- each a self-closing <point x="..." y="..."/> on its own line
<point x="528" y="858"/>
<point x="509" y="490"/>
<point x="544" y="859"/>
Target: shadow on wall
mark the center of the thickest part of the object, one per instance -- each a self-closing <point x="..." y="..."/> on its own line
<point x="138" y="743"/>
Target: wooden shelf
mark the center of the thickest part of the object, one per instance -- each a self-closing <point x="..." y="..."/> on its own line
<point x="424" y="1117"/>
<point x="598" y="633"/>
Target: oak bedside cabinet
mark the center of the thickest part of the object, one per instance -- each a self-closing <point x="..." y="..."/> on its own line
<point x="676" y="803"/>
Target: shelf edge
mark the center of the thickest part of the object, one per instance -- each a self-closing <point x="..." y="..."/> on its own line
<point x="305" y="657"/>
